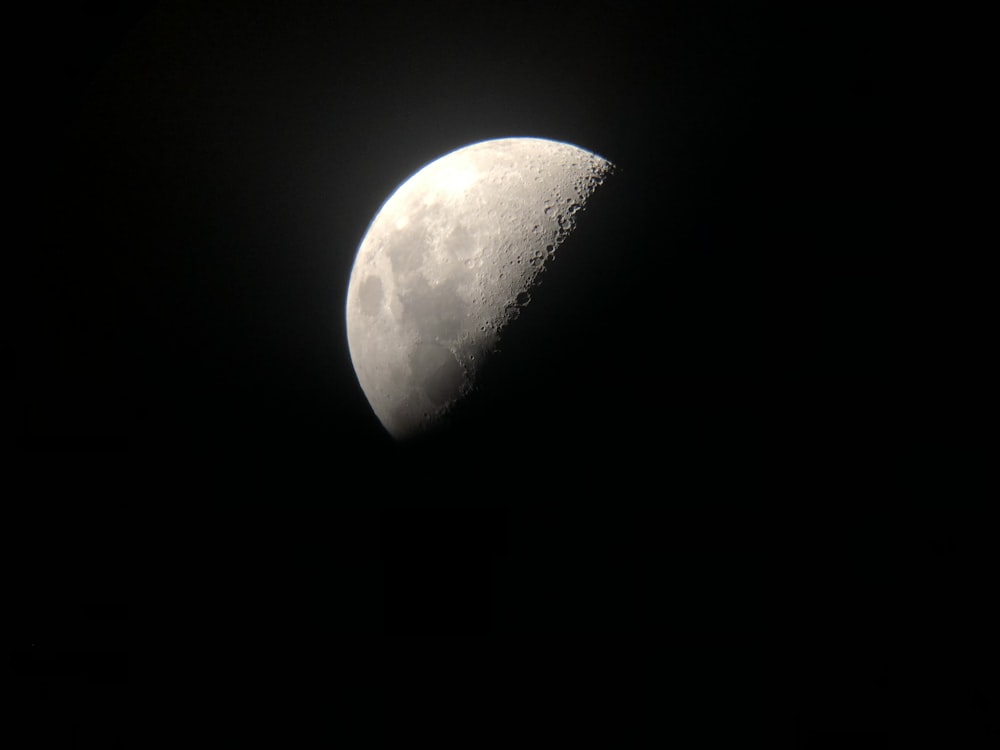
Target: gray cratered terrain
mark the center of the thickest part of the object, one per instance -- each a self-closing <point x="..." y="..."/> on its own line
<point x="448" y="261"/>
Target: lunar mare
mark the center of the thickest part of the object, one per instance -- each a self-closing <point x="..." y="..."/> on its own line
<point x="448" y="261"/>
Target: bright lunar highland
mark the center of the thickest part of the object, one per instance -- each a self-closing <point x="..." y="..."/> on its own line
<point x="450" y="259"/>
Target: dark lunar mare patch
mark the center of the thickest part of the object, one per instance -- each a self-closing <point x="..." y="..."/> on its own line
<point x="370" y="295"/>
<point x="435" y="311"/>
<point x="437" y="371"/>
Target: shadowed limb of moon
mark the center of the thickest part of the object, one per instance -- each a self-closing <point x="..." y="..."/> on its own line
<point x="450" y="259"/>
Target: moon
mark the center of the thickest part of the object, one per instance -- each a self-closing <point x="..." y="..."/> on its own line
<point x="449" y="260"/>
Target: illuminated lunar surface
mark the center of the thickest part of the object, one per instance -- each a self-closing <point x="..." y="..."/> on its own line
<point x="450" y="259"/>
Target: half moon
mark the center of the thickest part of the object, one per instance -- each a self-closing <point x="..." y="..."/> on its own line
<point x="449" y="260"/>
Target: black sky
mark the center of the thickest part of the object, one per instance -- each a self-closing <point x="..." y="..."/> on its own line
<point x="672" y="507"/>
<point x="207" y="174"/>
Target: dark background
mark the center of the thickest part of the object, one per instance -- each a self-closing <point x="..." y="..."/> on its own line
<point x="672" y="510"/>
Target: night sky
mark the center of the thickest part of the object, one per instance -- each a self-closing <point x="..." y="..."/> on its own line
<point x="668" y="524"/>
